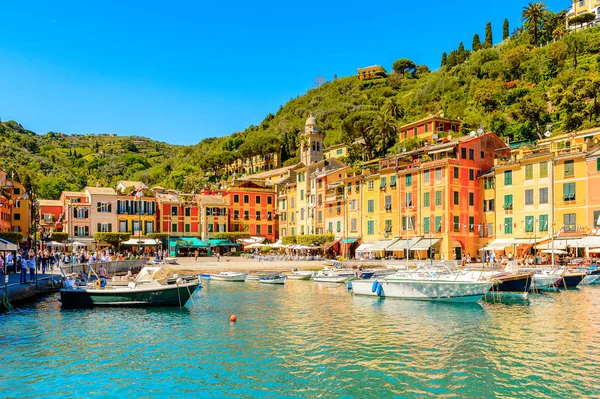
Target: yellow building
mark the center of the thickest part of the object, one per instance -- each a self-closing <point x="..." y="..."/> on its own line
<point x="136" y="216"/>
<point x="371" y="72"/>
<point x="579" y="7"/>
<point x="256" y="164"/>
<point x="213" y="215"/>
<point x="336" y="151"/>
<point x="371" y="229"/>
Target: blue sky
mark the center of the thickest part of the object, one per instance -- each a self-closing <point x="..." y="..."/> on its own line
<point x="184" y="70"/>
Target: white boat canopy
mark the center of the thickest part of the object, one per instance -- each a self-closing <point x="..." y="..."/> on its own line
<point x="364" y="248"/>
<point x="586" y="242"/>
<point x="382" y="245"/>
<point x="142" y="241"/>
<point x="425" y="244"/>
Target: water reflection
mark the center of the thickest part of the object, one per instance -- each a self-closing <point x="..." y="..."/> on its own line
<point x="305" y="340"/>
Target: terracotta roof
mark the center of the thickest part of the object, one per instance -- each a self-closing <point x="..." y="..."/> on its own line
<point x="427" y="118"/>
<point x="73" y="193"/>
<point x="212" y="200"/>
<point x="168" y="198"/>
<point x="131" y="183"/>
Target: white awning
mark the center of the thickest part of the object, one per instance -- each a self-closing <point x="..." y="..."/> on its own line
<point x="586" y="242"/>
<point x="499" y="243"/>
<point x="7" y="246"/>
<point x="401" y="244"/>
<point x="142" y="241"/>
<point x="425" y="243"/>
<point x="382" y="245"/>
<point x="363" y="248"/>
<point x="558" y="244"/>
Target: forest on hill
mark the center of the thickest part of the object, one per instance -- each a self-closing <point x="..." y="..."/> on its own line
<point x="540" y="77"/>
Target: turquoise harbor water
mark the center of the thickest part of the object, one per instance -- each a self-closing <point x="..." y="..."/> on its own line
<point x="306" y="340"/>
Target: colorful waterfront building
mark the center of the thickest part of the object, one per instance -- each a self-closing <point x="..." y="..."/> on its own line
<point x="255" y="164"/>
<point x="103" y="209"/>
<point x="251" y="208"/>
<point x="593" y="190"/>
<point x="213" y="214"/>
<point x="136" y="215"/>
<point x="51" y="215"/>
<point x="336" y="151"/>
<point x="77" y="222"/>
<point x="428" y="126"/>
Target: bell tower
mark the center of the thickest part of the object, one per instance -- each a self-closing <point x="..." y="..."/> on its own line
<point x="311" y="147"/>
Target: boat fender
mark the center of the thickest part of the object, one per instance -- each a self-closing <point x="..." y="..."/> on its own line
<point x="374" y="286"/>
<point x="379" y="289"/>
<point x="97" y="284"/>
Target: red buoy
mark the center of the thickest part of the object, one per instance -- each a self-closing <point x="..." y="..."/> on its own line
<point x="232" y="318"/>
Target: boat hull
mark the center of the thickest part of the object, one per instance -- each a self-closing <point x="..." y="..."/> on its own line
<point x="235" y="277"/>
<point x="272" y="280"/>
<point x="434" y="290"/>
<point x="171" y="295"/>
<point x="332" y="279"/>
<point x="570" y="280"/>
<point x="544" y="282"/>
<point x="515" y="284"/>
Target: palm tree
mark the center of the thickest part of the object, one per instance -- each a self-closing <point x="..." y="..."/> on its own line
<point x="532" y="15"/>
<point x="394" y="109"/>
<point x="383" y="125"/>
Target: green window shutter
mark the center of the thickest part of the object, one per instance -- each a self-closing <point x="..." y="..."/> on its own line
<point x="471" y="224"/>
<point x="456" y="201"/>
<point x="598" y="164"/>
<point x="426" y="224"/>
<point x="529" y="224"/>
<point x="508" y="177"/>
<point x="426" y="199"/>
<point x="508" y="225"/>
<point x="371" y="206"/>
<point x="456" y="224"/>
<point x="543" y="222"/>
<point x="438" y="224"/>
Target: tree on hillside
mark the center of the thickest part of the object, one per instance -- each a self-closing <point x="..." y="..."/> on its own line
<point x="358" y="126"/>
<point x="444" y="57"/>
<point x="384" y="128"/>
<point x="505" y="29"/>
<point x="533" y="15"/>
<point x="403" y="65"/>
<point x="576" y="44"/>
<point x="476" y="42"/>
<point x="488" y="36"/>
<point x="581" y="19"/>
<point x="394" y="109"/>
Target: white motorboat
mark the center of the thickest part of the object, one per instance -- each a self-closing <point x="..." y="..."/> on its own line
<point x="438" y="282"/>
<point x="300" y="275"/>
<point x="272" y="280"/>
<point x="230" y="276"/>
<point x="330" y="276"/>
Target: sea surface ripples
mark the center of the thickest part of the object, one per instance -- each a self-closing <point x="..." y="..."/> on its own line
<point x="306" y="340"/>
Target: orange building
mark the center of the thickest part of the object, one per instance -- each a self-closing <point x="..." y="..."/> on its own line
<point x="426" y="127"/>
<point x="371" y="72"/>
<point x="51" y="215"/>
<point x="252" y="209"/>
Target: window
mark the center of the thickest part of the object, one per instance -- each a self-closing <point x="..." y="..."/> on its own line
<point x="302" y="214"/>
<point x="529" y="196"/>
<point x="411" y="223"/>
<point x="415" y="132"/>
<point x="508" y="225"/>
<point x="463" y="153"/>
<point x="388" y="226"/>
<point x="569" y="168"/>
<point x="269" y="200"/>
<point x="456" y="224"/>
<point x="438" y="173"/>
<point x="596" y="221"/>
<point x="122" y="226"/>
<point x="426" y="127"/>
<point x="357" y="187"/>
<point x="471" y="154"/>
<point x="292" y="202"/>
<point x="82" y="213"/>
<point x="488" y="205"/>
<point x="16" y="191"/>
<point x="17" y="216"/>
<point x="246" y="215"/>
<point x="236" y="198"/>
<point x="471" y="224"/>
<point x="543" y="195"/>
<point x="426" y="225"/>
<point x="438" y="198"/>
<point x="471" y="199"/>
<point x="371" y="184"/>
<point x="292" y="217"/>
<point x="508" y="202"/>
<point x="488" y="182"/>
<point x="508" y="177"/>
<point x="543" y="169"/>
<point x="338" y="226"/>
<point x="149" y="227"/>
<point x="409" y="199"/>
<point x="426" y="199"/>
<point x="456" y="172"/>
<point x="103" y="207"/>
<point x="269" y="229"/>
<point x="246" y="199"/>
<point x="388" y="202"/>
<point x="269" y="215"/>
<point x="408" y="180"/>
<point x="543" y="220"/>
<point x="370" y="227"/>
<point x="471" y="174"/>
<point x="82" y="231"/>
<point x="187" y="227"/>
<point x="456" y="199"/>
<point x="426" y="175"/>
<point x="570" y="222"/>
<point x="257" y="215"/>
<point x="569" y="191"/>
<point x="258" y="199"/>
<point x="257" y="229"/>
<point x="382" y="182"/>
<point x="482" y="154"/>
<point x="188" y="211"/>
<point x="353" y="224"/>
<point x="174" y="227"/>
<point x="597" y="164"/>
<point x="301" y="195"/>
<point x="529" y="224"/>
<point x="174" y="211"/>
<point x="438" y="224"/>
<point x="236" y="214"/>
<point x="392" y="181"/>
<point x="528" y="172"/>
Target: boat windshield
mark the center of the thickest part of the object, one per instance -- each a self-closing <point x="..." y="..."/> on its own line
<point x="148" y="274"/>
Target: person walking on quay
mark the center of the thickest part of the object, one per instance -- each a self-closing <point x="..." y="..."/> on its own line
<point x="196" y="256"/>
<point x="23" y="277"/>
<point x="1" y="267"/>
<point x="31" y="259"/>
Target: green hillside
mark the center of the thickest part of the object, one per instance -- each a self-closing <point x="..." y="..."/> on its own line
<point x="537" y="79"/>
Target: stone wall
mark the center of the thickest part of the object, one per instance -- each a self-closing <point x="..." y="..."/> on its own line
<point x="112" y="267"/>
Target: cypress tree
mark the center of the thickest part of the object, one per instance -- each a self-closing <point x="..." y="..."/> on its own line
<point x="505" y="29"/>
<point x="476" y="42"/>
<point x="444" y="57"/>
<point x="488" y="35"/>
